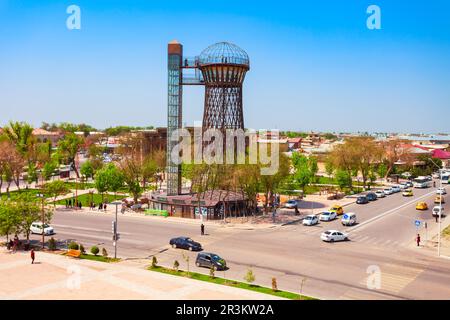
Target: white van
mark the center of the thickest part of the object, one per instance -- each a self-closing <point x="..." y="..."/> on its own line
<point x="349" y="219"/>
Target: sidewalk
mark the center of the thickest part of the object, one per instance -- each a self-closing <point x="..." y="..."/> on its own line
<point x="64" y="278"/>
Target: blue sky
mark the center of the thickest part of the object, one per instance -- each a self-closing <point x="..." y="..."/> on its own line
<point x="314" y="64"/>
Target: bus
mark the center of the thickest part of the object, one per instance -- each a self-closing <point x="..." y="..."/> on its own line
<point x="421" y="182"/>
<point x="445" y="177"/>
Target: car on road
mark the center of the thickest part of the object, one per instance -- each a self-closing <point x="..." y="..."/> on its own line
<point x="380" y="193"/>
<point x="310" y="220"/>
<point x="439" y="199"/>
<point x="395" y="189"/>
<point x="210" y="260"/>
<point x="337" y="209"/>
<point x="333" y="236"/>
<point x="388" y="191"/>
<point x="421" y="206"/>
<point x="185" y="243"/>
<point x="403" y="186"/>
<point x="371" y="196"/>
<point x="437" y="210"/>
<point x="362" y="200"/>
<point x="409" y="184"/>
<point x="291" y="204"/>
<point x="348" y="219"/>
<point x="408" y="193"/>
<point x="36" y="228"/>
<point x="327" y="216"/>
<point x="441" y="191"/>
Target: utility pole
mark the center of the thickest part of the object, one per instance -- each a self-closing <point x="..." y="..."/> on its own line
<point x="40" y="195"/>
<point x="440" y="207"/>
<point x="114" y="229"/>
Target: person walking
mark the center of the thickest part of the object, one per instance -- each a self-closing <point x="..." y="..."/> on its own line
<point x="418" y="240"/>
<point x="32" y="256"/>
<point x="202" y="229"/>
<point x="104" y="207"/>
<point x="70" y="203"/>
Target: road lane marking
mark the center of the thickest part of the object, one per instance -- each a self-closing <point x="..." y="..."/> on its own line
<point x="391" y="211"/>
<point x="86" y="229"/>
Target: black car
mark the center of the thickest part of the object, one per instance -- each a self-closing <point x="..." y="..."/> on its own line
<point x="371" y="196"/>
<point x="185" y="243"/>
<point x="210" y="260"/>
<point x="362" y="200"/>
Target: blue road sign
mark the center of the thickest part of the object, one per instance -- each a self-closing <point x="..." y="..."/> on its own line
<point x="417" y="223"/>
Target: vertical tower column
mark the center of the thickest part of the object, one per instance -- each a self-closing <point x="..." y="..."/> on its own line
<point x="174" y="114"/>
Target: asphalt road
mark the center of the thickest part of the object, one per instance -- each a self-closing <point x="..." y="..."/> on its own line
<point x="294" y="254"/>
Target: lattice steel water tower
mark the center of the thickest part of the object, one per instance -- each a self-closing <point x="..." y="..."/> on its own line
<point x="221" y="68"/>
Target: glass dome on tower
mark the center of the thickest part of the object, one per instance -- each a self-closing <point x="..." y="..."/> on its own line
<point x="223" y="52"/>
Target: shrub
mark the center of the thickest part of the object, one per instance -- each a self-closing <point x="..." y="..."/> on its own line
<point x="83" y="251"/>
<point x="212" y="273"/>
<point x="249" y="276"/>
<point x="154" y="262"/>
<point x="52" y="244"/>
<point x="73" y="246"/>
<point x="94" y="250"/>
<point x="274" y="284"/>
<point x="176" y="265"/>
<point x="104" y="253"/>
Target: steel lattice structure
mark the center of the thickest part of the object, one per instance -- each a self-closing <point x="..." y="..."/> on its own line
<point x="222" y="71"/>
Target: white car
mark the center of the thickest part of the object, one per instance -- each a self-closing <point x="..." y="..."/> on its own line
<point x="441" y="191"/>
<point x="437" y="210"/>
<point x="348" y="219"/>
<point x="333" y="236"/>
<point x="396" y="189"/>
<point x="327" y="216"/>
<point x="380" y="193"/>
<point x="36" y="227"/>
<point x="388" y="191"/>
<point x="403" y="186"/>
<point x="310" y="220"/>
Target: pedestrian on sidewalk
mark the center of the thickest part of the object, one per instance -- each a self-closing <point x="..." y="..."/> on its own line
<point x="436" y="216"/>
<point x="100" y="206"/>
<point x="202" y="229"/>
<point x="70" y="203"/>
<point x="418" y="240"/>
<point x="32" y="256"/>
<point x="104" y="207"/>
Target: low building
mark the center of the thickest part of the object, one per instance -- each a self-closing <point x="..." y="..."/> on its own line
<point x="214" y="205"/>
<point x="42" y="135"/>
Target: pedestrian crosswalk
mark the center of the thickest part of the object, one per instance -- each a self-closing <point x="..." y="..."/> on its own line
<point x="357" y="237"/>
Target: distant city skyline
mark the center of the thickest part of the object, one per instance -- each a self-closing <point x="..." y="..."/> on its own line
<point x="314" y="66"/>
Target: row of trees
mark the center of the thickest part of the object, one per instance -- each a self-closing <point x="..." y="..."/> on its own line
<point x="17" y="216"/>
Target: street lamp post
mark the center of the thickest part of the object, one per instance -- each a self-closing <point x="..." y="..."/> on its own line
<point x="115" y="234"/>
<point x="440" y="207"/>
<point x="40" y="195"/>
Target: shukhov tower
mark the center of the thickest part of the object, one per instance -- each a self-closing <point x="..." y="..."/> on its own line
<point x="223" y="66"/>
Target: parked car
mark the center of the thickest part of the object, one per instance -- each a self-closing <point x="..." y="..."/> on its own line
<point x="408" y="193"/>
<point x="380" y="193"/>
<point x="327" y="216"/>
<point x="333" y="236"/>
<point x="371" y="196"/>
<point x="441" y="191"/>
<point x="337" y="209"/>
<point x="437" y="210"/>
<point x="185" y="243"/>
<point x="388" y="191"/>
<point x="362" y="200"/>
<point x="210" y="260"/>
<point x="439" y="199"/>
<point x="348" y="219"/>
<point x="291" y="204"/>
<point x="421" y="206"/>
<point x="310" y="220"/>
<point x="36" y="228"/>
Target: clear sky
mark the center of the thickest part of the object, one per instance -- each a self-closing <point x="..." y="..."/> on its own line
<point x="314" y="64"/>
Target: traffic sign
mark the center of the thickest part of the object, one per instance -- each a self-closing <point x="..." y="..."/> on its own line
<point x="417" y="223"/>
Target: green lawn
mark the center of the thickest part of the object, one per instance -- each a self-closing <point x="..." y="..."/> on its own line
<point x="98" y="258"/>
<point x="232" y="283"/>
<point x="15" y="194"/>
<point x="96" y="198"/>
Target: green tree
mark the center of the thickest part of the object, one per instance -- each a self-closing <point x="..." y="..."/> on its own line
<point x="302" y="175"/>
<point x="48" y="170"/>
<point x="9" y="218"/>
<point x="20" y="134"/>
<point x="87" y="170"/>
<point x="343" y="179"/>
<point x="69" y="147"/>
<point x="55" y="189"/>
<point x="32" y="175"/>
<point x="30" y="210"/>
<point x="109" y="178"/>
